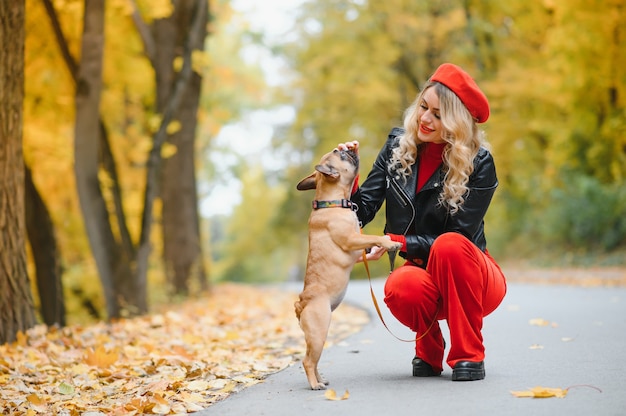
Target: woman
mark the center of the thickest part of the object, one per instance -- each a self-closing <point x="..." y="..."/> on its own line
<point x="437" y="179"/>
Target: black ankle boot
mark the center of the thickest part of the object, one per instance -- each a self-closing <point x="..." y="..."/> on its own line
<point x="468" y="371"/>
<point x="422" y="369"/>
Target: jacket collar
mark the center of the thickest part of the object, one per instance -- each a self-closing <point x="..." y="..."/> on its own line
<point x="434" y="182"/>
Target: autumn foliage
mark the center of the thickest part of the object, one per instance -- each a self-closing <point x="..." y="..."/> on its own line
<point x="177" y="360"/>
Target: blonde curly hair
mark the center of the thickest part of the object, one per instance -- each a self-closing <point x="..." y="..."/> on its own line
<point x="463" y="138"/>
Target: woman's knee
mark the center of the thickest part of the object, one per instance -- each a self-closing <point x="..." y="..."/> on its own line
<point x="407" y="284"/>
<point x="451" y="245"/>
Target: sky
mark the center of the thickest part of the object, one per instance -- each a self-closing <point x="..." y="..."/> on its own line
<point x="275" y="18"/>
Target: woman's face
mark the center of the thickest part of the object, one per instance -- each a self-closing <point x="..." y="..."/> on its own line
<point x="429" y="127"/>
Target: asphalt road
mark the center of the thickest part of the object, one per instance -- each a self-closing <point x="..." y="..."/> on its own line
<point x="583" y="345"/>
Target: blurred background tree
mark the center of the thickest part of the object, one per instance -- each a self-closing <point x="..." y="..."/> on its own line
<point x="145" y="162"/>
<point x="553" y="74"/>
<point x="16" y="307"/>
<point x="558" y="98"/>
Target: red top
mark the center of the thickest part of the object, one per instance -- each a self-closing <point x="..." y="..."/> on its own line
<point x="430" y="159"/>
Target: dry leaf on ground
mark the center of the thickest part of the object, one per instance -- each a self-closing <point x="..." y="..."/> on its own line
<point x="547" y="392"/>
<point x="538" y="322"/>
<point x="174" y="362"/>
<point x="541" y="392"/>
<point x="331" y="394"/>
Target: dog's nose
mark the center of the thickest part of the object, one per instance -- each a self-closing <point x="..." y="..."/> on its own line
<point x="349" y="155"/>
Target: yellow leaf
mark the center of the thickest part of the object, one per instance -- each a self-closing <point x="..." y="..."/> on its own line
<point x="200" y="61"/>
<point x="539" y="322"/>
<point x="331" y="394"/>
<point x="100" y="357"/>
<point x="161" y="9"/>
<point x="161" y="409"/>
<point x="177" y="63"/>
<point x="541" y="392"/>
<point x="34" y="399"/>
<point x="524" y="393"/>
<point x="168" y="150"/>
<point x="173" y="127"/>
<point x="37" y="403"/>
<point x="154" y="122"/>
<point x="161" y="405"/>
<point x="21" y="339"/>
<point x="228" y="387"/>
<point x="65" y="388"/>
<point x="199" y="385"/>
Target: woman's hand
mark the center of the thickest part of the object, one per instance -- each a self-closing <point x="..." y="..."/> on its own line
<point x="353" y="145"/>
<point x="375" y="254"/>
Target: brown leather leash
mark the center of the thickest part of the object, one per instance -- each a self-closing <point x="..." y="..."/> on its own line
<point x="380" y="315"/>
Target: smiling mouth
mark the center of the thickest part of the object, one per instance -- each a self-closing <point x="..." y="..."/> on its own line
<point x="425" y="129"/>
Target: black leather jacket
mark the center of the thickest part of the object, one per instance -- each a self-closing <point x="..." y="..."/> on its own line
<point x="419" y="216"/>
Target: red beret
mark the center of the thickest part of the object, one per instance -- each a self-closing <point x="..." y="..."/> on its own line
<point x="462" y="84"/>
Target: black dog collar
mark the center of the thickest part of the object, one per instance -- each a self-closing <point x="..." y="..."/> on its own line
<point x="336" y="203"/>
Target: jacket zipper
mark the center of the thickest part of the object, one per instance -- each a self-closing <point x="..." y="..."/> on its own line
<point x="403" y="197"/>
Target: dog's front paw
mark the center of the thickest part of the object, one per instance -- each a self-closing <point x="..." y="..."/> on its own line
<point x="319" y="386"/>
<point x="392" y="245"/>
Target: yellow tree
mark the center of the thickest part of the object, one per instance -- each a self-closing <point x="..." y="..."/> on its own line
<point x="557" y="124"/>
<point x="360" y="64"/>
<point x="171" y="42"/>
<point x="249" y="251"/>
<point x="128" y="129"/>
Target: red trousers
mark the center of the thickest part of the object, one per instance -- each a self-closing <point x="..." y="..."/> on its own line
<point x="461" y="284"/>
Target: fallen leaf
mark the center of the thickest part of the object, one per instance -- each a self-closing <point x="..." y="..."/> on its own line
<point x="539" y="322"/>
<point x="331" y="394"/>
<point x="173" y="362"/>
<point x="161" y="405"/>
<point x="65" y="388"/>
<point x="34" y="399"/>
<point x="541" y="392"/>
<point x="21" y="339"/>
<point x="37" y="403"/>
<point x="100" y="357"/>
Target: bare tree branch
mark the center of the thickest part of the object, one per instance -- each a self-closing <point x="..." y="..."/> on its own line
<point x="58" y="34"/>
<point x="143" y="29"/>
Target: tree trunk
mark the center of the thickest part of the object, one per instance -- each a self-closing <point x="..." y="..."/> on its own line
<point x="182" y="252"/>
<point x="122" y="254"/>
<point x="171" y="90"/>
<point x="16" y="305"/>
<point x="46" y="255"/>
<point x="117" y="290"/>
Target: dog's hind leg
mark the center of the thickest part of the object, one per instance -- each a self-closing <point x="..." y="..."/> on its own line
<point x="315" y="321"/>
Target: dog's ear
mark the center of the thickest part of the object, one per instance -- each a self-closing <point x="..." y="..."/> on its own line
<point x="306" y="183"/>
<point x="327" y="170"/>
